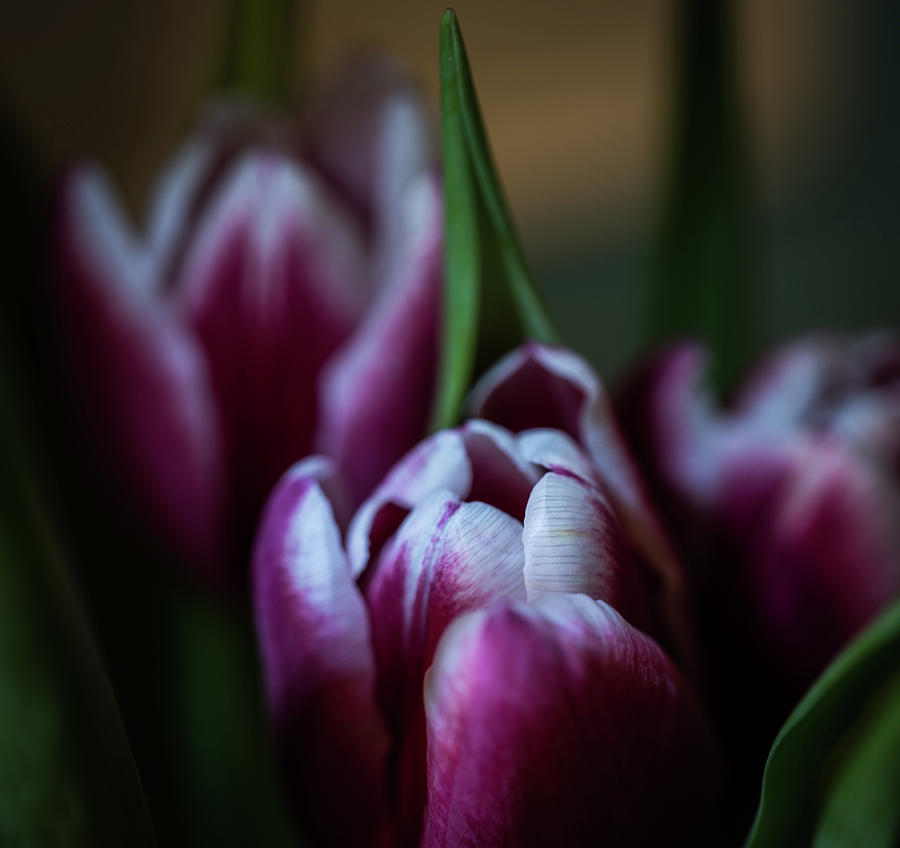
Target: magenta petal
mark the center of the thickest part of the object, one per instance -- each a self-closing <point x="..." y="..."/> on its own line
<point x="376" y="395"/>
<point x="136" y="376"/>
<point x="822" y="544"/>
<point x="574" y="543"/>
<point x="439" y="463"/>
<point x="370" y="132"/>
<point x="501" y="477"/>
<point x="446" y="558"/>
<point x="272" y="284"/>
<point x="319" y="665"/>
<point x="560" y="724"/>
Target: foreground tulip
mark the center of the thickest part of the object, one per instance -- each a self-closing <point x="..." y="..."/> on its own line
<point x="787" y="504"/>
<point x="283" y="297"/>
<point x="477" y="658"/>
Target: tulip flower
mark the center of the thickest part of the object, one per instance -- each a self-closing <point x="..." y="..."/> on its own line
<point x="787" y="505"/>
<point x="283" y="297"/>
<point x="476" y="655"/>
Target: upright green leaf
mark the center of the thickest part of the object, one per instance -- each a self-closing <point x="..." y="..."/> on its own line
<point x="532" y="313"/>
<point x="471" y="186"/>
<point x="795" y="775"/>
<point x="462" y="258"/>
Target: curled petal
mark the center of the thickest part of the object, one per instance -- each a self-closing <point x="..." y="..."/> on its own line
<point x="439" y="463"/>
<point x="137" y="377"/>
<point x="555" y="451"/>
<point x="500" y="475"/>
<point x="446" y="558"/>
<point x="272" y="286"/>
<point x="376" y="394"/>
<point x="559" y="724"/>
<point x="574" y="543"/>
<point x="319" y="665"/>
<point x="478" y="461"/>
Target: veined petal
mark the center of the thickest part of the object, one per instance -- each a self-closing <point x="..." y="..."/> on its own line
<point x="271" y="286"/>
<point x="376" y="394"/>
<point x="537" y="386"/>
<point x="559" y="724"/>
<point x="319" y="665"/>
<point x="446" y="558"/>
<point x="574" y="543"/>
<point x="137" y="378"/>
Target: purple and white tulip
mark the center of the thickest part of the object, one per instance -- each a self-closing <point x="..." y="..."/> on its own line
<point x="283" y="297"/>
<point x="787" y="505"/>
<point x="476" y="658"/>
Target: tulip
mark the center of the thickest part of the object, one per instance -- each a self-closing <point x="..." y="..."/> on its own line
<point x="283" y="297"/>
<point x="475" y="655"/>
<point x="787" y="504"/>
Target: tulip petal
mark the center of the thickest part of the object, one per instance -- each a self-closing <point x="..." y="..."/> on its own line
<point x="439" y="463"/>
<point x="137" y="378"/>
<point x="478" y="461"/>
<point x="538" y="386"/>
<point x="370" y="131"/>
<point x="821" y="539"/>
<point x="376" y="394"/>
<point x="574" y="543"/>
<point x="446" y="558"/>
<point x="559" y="724"/>
<point x="500" y="475"/>
<point x="271" y="285"/>
<point x="319" y="665"/>
<point x="555" y="451"/>
<point x="541" y="386"/>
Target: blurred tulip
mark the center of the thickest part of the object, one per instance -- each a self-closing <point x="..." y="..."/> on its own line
<point x="283" y="297"/>
<point x="499" y="572"/>
<point x="787" y="504"/>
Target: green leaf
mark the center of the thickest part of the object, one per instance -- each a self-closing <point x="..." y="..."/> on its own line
<point x="863" y="802"/>
<point x="793" y="780"/>
<point x="471" y="185"/>
<point x="532" y="313"/>
<point x="462" y="259"/>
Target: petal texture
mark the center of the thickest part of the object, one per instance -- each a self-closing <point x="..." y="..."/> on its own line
<point x="319" y="665"/>
<point x="446" y="558"/>
<point x="574" y="543"/>
<point x="559" y="724"/>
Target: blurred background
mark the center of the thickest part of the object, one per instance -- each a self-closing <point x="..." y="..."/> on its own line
<point x="580" y="105"/>
<point x="656" y="155"/>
